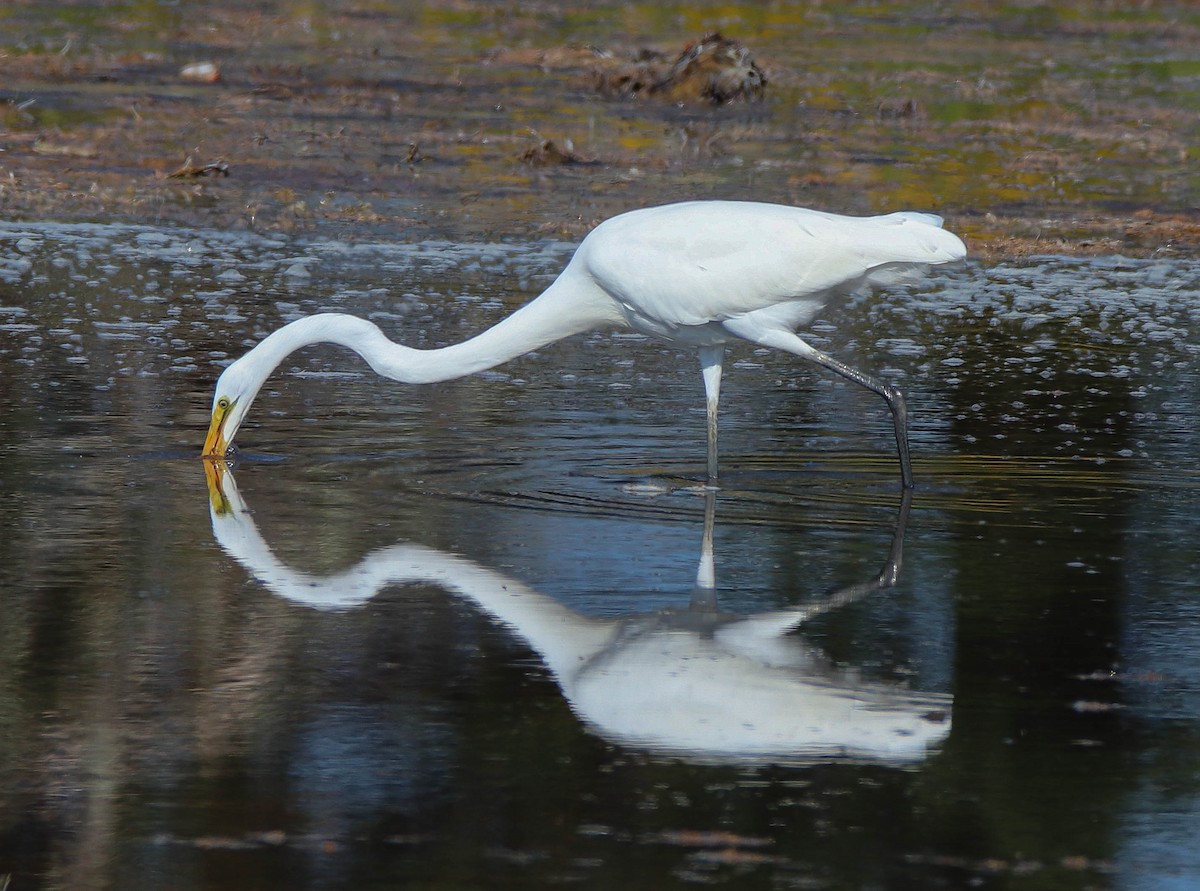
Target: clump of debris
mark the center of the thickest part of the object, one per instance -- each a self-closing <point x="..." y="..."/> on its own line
<point x="548" y="153"/>
<point x="714" y="69"/>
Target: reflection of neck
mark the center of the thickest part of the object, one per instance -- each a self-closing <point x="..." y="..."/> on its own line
<point x="563" y="637"/>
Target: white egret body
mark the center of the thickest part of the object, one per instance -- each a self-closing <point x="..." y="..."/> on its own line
<point x="700" y="274"/>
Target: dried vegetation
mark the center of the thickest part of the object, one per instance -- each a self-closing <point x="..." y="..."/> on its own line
<point x="1068" y="131"/>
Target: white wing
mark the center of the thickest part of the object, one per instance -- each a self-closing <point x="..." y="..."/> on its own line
<point x="700" y="262"/>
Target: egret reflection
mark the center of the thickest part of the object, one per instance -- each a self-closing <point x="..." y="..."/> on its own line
<point x="696" y="682"/>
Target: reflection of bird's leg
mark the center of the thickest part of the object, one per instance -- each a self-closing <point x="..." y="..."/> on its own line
<point x="887" y="576"/>
<point x="710" y="364"/>
<point x="704" y="595"/>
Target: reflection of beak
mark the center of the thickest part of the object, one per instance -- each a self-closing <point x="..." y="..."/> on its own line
<point x="214" y="474"/>
<point x="215" y="444"/>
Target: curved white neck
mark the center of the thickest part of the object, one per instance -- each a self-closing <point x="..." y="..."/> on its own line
<point x="569" y="306"/>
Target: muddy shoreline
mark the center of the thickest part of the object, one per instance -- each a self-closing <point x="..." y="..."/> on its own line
<point x="1068" y="131"/>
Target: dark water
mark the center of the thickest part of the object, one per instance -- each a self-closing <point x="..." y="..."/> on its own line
<point x="437" y="637"/>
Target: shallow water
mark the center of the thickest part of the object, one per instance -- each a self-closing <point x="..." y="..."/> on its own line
<point x="188" y="701"/>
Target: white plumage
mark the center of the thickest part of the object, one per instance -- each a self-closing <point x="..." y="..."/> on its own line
<point x="685" y="265"/>
<point x="699" y="274"/>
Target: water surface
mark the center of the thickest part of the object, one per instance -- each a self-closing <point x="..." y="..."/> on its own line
<point x="171" y="717"/>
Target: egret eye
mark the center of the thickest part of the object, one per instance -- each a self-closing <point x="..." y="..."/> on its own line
<point x="223" y="403"/>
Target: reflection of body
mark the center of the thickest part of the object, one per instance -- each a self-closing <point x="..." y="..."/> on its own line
<point x="695" y="682"/>
<point x="699" y="275"/>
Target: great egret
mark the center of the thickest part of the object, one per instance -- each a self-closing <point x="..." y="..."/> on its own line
<point x="699" y="274"/>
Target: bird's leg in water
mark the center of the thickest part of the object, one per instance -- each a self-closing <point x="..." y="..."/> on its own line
<point x="778" y="338"/>
<point x="710" y="366"/>
<point x="711" y="413"/>
<point x="891" y="569"/>
<point x="890" y="392"/>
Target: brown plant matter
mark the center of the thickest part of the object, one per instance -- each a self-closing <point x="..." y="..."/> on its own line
<point x="714" y="69"/>
<point x="547" y="153"/>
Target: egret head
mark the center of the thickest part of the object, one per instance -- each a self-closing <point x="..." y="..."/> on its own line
<point x="236" y="388"/>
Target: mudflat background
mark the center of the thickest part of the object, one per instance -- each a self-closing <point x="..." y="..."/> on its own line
<point x="1063" y="127"/>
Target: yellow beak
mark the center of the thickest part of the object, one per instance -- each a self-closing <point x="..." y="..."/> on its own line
<point x="215" y="444"/>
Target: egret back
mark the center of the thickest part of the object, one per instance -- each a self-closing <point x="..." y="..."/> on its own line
<point x="700" y="262"/>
